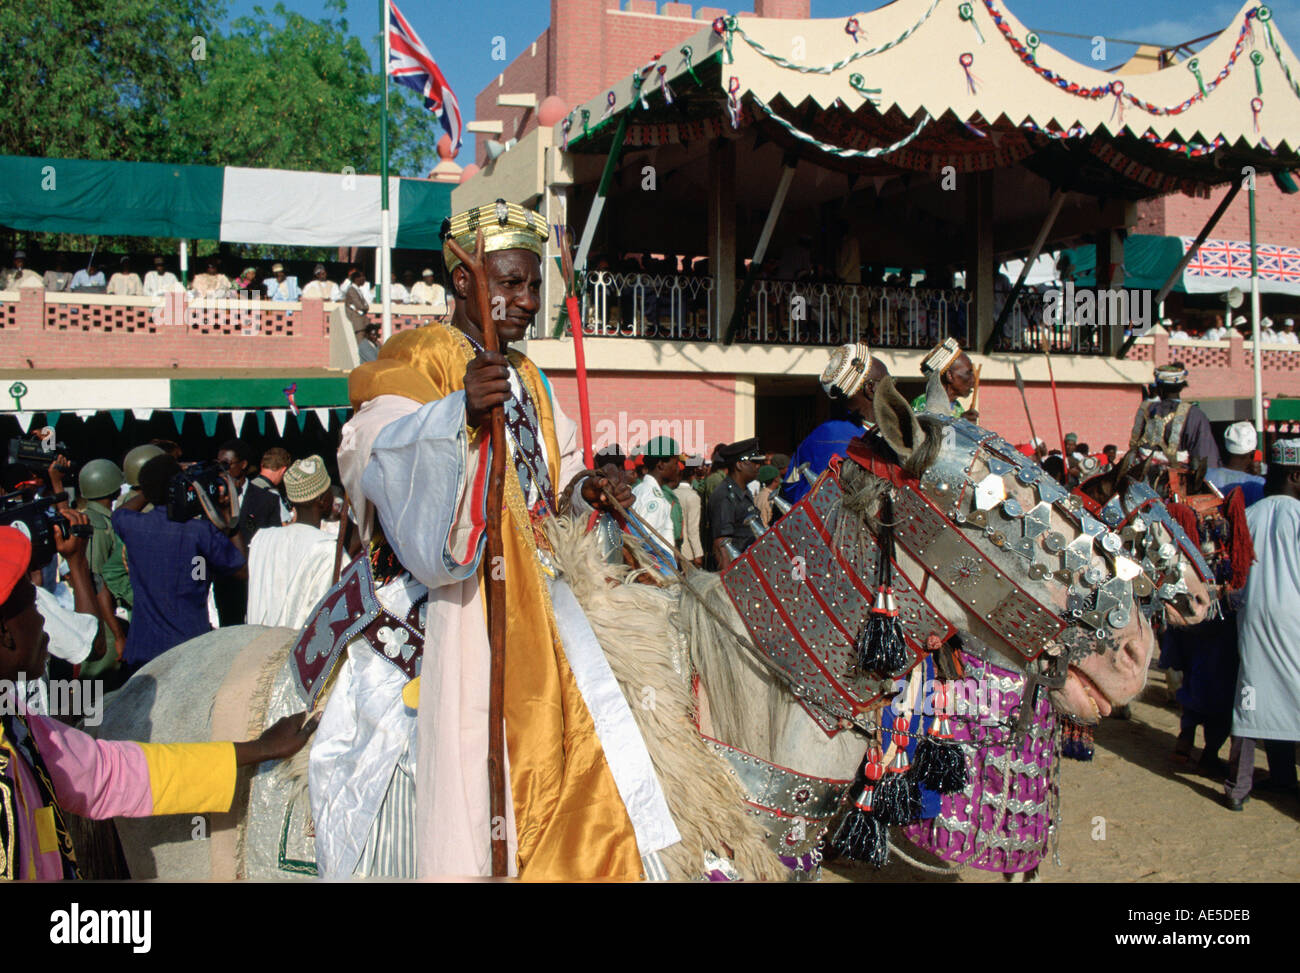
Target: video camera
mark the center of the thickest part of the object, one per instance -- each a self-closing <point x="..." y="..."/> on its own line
<point x="200" y="488"/>
<point x="36" y="454"/>
<point x="37" y="517"/>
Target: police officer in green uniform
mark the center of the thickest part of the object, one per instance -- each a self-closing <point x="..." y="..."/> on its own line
<point x="732" y="511"/>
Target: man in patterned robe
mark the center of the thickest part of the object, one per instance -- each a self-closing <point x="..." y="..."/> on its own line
<point x="583" y="800"/>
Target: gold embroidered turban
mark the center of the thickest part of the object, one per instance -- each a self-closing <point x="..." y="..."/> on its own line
<point x="505" y="226"/>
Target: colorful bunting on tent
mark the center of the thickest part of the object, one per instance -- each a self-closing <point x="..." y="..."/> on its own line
<point x="118" y="416"/>
<point x="209" y="422"/>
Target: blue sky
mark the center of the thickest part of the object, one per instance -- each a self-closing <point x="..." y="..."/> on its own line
<point x="460" y="34"/>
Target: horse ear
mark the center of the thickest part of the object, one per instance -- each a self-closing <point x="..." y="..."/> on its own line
<point x="896" y="420"/>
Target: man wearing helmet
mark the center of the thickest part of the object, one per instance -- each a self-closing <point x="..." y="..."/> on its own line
<point x="99" y="484"/>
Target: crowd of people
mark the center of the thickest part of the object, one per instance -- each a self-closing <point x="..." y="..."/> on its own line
<point x="181" y="545"/>
<point x="1217" y="330"/>
<point x="278" y="285"/>
<point x="178" y="544"/>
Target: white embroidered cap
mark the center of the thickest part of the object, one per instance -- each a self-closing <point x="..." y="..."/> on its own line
<point x="941" y="358"/>
<point x="846" y="371"/>
<point x="1285" y="452"/>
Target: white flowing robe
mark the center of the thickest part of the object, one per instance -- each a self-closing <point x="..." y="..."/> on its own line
<point x="289" y="571"/>
<point x="1267" y="706"/>
<point x="425" y="481"/>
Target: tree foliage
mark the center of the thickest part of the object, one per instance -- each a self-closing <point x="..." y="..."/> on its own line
<point x="150" y="81"/>
<point x="138" y="80"/>
<point x="95" y="79"/>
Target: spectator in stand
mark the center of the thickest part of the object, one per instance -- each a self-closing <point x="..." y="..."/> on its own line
<point x="57" y="279"/>
<point x="400" y="294"/>
<point x="427" y="291"/>
<point x="125" y="283"/>
<point x="1287" y="335"/>
<point x="320" y="287"/>
<point x="1242" y="324"/>
<point x="280" y="286"/>
<point x="290" y="568"/>
<point x="408" y="281"/>
<point x="89" y="280"/>
<point x="1176" y="330"/>
<point x="1217" y="332"/>
<point x="20" y="275"/>
<point x="171" y="596"/>
<point x="160" y="280"/>
<point x="212" y="282"/>
<point x="368" y="342"/>
<point x="356" y="301"/>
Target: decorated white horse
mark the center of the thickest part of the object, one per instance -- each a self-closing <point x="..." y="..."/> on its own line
<point x="913" y="646"/>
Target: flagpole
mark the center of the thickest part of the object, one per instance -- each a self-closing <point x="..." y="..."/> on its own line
<point x="385" y="261"/>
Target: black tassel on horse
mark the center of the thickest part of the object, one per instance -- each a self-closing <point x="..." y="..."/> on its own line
<point x="880" y="646"/>
<point x="862" y="836"/>
<point x="939" y="764"/>
<point x="898" y="799"/>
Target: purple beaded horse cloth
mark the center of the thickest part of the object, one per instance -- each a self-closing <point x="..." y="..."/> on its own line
<point x="1003" y="820"/>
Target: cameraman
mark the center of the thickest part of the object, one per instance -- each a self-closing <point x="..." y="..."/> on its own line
<point x="171" y="564"/>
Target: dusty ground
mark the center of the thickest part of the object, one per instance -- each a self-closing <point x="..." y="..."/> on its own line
<point x="1163" y="823"/>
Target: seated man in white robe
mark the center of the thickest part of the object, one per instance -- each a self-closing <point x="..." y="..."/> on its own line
<point x="290" y="567"/>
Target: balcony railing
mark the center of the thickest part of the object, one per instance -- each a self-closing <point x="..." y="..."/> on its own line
<point x="684" y="308"/>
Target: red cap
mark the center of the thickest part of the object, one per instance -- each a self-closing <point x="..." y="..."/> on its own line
<point x="15" y="556"/>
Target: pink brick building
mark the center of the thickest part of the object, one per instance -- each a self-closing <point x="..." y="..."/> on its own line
<point x="589" y="44"/>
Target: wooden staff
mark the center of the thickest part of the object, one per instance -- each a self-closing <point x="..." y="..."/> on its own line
<point x="1056" y="403"/>
<point x="496" y="584"/>
<point x="975" y="392"/>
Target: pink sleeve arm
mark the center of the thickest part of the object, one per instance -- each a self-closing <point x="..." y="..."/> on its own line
<point x="94" y="778"/>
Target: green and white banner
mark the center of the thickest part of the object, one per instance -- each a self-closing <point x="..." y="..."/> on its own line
<point x="236" y="205"/>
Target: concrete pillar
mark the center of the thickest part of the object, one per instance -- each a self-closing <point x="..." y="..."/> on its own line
<point x="980" y="264"/>
<point x="1110" y="274"/>
<point x="722" y="232"/>
<point x="745" y="420"/>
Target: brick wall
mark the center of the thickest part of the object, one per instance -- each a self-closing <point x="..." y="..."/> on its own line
<point x="175" y="334"/>
<point x="591" y="43"/>
<point x="624" y="404"/>
<point x="1099" y="414"/>
<point x="1277" y="215"/>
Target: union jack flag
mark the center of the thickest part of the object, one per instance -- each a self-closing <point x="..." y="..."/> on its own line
<point x="1230" y="260"/>
<point x="411" y="64"/>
